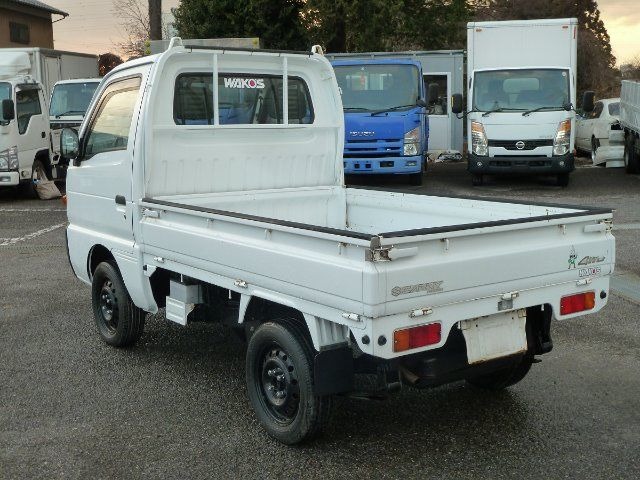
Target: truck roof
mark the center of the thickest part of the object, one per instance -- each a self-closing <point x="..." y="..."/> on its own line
<point x="523" y="23"/>
<point x="377" y="61"/>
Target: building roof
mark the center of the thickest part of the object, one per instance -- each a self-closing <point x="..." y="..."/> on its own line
<point x="40" y="6"/>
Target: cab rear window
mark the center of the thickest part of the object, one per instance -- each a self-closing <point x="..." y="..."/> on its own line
<point x="242" y="100"/>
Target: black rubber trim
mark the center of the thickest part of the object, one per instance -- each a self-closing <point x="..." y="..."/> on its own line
<point x="584" y="212"/>
<point x="239" y="49"/>
<point x="66" y="245"/>
<point x="284" y="223"/>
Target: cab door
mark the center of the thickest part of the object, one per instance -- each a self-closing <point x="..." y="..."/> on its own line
<point x="100" y="186"/>
<point x="32" y="126"/>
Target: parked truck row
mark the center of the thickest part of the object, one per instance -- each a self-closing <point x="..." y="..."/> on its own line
<point x="34" y="105"/>
<point x="210" y="183"/>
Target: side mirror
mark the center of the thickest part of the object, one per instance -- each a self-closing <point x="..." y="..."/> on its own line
<point x="588" y="101"/>
<point x="421" y="103"/>
<point x="456" y="103"/>
<point x="8" y="110"/>
<point x="433" y="93"/>
<point x="69" y="143"/>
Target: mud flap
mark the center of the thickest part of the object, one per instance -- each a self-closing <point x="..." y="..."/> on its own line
<point x="333" y="371"/>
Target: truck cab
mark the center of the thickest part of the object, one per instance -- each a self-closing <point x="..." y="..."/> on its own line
<point x="520" y="103"/>
<point x="24" y="125"/>
<point x="69" y="102"/>
<point x="386" y="126"/>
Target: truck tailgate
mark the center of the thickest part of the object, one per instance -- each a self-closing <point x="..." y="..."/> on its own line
<point x="438" y="268"/>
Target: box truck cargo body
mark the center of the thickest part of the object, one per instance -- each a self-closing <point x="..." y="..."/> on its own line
<point x="521" y="95"/>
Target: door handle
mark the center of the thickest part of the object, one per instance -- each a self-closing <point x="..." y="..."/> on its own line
<point x="120" y="200"/>
<point x="43" y="134"/>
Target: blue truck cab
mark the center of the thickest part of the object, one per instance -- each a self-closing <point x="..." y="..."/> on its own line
<point x="386" y="122"/>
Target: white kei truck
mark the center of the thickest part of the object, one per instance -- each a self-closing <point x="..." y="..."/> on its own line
<point x="209" y="182"/>
<point x="521" y="95"/>
<point x="27" y="77"/>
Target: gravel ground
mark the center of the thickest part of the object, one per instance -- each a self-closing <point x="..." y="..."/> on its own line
<point x="175" y="405"/>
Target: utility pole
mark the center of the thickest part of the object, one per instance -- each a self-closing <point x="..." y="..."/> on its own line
<point x="155" y="19"/>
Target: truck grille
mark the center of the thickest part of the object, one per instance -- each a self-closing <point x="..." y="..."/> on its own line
<point x="389" y="147"/>
<point x="528" y="144"/>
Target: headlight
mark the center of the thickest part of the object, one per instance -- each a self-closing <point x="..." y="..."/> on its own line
<point x="562" y="142"/>
<point x="479" y="144"/>
<point x="9" y="159"/>
<point x="411" y="142"/>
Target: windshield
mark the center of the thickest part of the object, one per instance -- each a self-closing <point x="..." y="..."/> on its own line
<point x="520" y="89"/>
<point x="71" y="98"/>
<point x="614" y="109"/>
<point x="368" y="88"/>
<point x="5" y="91"/>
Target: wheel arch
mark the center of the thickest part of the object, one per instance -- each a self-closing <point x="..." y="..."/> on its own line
<point x="97" y="254"/>
<point x="256" y="309"/>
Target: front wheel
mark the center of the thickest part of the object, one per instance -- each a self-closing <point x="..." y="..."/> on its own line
<point x="279" y="375"/>
<point x="120" y="323"/>
<point x="631" y="158"/>
<point x="595" y="143"/>
<point x="415" y="179"/>
<point x="504" y="378"/>
<point x="38" y="174"/>
<point x="477" y="179"/>
<point x="562" y="180"/>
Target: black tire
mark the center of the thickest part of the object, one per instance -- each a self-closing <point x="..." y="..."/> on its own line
<point x="38" y="172"/>
<point x="562" y="180"/>
<point x="415" y="179"/>
<point x="477" y="179"/>
<point x="631" y="157"/>
<point x="120" y="323"/>
<point x="504" y="378"/>
<point x="279" y="375"/>
<point x="595" y="143"/>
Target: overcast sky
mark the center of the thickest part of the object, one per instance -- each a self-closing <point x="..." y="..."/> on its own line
<point x="92" y="26"/>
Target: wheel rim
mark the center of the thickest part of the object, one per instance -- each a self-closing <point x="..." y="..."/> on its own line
<point x="108" y="306"/>
<point x="37" y="174"/>
<point x="278" y="384"/>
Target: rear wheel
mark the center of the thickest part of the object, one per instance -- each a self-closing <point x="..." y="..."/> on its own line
<point x="477" y="179"/>
<point x="120" y="323"/>
<point x="562" y="180"/>
<point x="279" y="375"/>
<point x="631" y="158"/>
<point x="505" y="377"/>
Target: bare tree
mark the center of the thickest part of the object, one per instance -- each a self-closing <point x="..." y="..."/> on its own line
<point x="134" y="19"/>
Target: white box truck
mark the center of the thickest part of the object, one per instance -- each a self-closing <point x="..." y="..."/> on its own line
<point x="210" y="182"/>
<point x="630" y="122"/>
<point x="521" y="80"/>
<point x="27" y="77"/>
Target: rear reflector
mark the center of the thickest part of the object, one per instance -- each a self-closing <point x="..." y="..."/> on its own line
<point x="577" y="303"/>
<point x="416" y="337"/>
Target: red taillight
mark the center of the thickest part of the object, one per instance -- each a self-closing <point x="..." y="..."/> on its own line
<point x="416" y="337"/>
<point x="577" y="303"/>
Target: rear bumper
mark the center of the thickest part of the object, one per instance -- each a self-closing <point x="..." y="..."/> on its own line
<point x="382" y="165"/>
<point x="9" y="179"/>
<point x="521" y="164"/>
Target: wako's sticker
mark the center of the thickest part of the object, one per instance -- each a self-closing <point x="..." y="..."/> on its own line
<point x="244" y="83"/>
